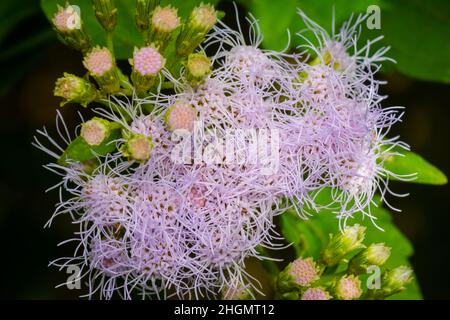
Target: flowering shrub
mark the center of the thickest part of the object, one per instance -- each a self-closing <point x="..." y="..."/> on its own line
<point x="179" y="178"/>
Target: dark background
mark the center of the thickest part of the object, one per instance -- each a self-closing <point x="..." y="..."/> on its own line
<point x="28" y="103"/>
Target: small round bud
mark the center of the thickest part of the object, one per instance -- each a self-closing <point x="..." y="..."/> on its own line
<point x="181" y="116"/>
<point x="138" y="147"/>
<point x="165" y="19"/>
<point x="348" y="288"/>
<point x="396" y="279"/>
<point x="68" y="24"/>
<point x="198" y="66"/>
<point x="147" y="61"/>
<point x="203" y="17"/>
<point x="303" y="271"/>
<point x="98" y="61"/>
<point x="316" y="294"/>
<point x="95" y="131"/>
<point x="375" y="254"/>
<point x="67" y="18"/>
<point x="101" y="65"/>
<point x="340" y="244"/>
<point x="75" y="89"/>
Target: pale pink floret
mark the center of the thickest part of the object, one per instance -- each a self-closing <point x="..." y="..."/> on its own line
<point x="315" y="294"/>
<point x="303" y="271"/>
<point x="99" y="61"/>
<point x="67" y="19"/>
<point x="147" y="61"/>
<point x="181" y="116"/>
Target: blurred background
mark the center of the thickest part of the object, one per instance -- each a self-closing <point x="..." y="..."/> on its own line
<point x="32" y="58"/>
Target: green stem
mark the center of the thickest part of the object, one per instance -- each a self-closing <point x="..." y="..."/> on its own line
<point x="110" y="42"/>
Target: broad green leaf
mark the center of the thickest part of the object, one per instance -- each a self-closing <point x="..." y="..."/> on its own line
<point x="310" y="236"/>
<point x="79" y="150"/>
<point x="418" y="32"/>
<point x="126" y="36"/>
<point x="411" y="163"/>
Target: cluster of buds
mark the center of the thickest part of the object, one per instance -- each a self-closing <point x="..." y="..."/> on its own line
<point x="307" y="279"/>
<point x="158" y="25"/>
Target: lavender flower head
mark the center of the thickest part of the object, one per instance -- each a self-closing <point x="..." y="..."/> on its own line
<point x="155" y="223"/>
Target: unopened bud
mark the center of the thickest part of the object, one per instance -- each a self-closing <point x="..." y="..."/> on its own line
<point x="200" y="22"/>
<point x="341" y="244"/>
<point x="348" y="288"/>
<point x="138" y="147"/>
<point x="181" y="116"/>
<point x="375" y="254"/>
<point x="198" y="67"/>
<point x="144" y="9"/>
<point x="393" y="281"/>
<point x="303" y="271"/>
<point x="74" y="89"/>
<point x="316" y="294"/>
<point x="95" y="131"/>
<point x="106" y="13"/>
<point x="164" y="21"/>
<point x="68" y="24"/>
<point x="101" y="65"/>
<point x="147" y="63"/>
<point x="299" y="273"/>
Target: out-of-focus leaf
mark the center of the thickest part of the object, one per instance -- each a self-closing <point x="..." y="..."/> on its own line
<point x="79" y="150"/>
<point x="310" y="236"/>
<point x="126" y="36"/>
<point x="275" y="18"/>
<point x="13" y="12"/>
<point x="409" y="163"/>
<point x="418" y="32"/>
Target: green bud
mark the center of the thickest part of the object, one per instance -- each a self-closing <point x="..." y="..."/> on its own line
<point x="106" y="13"/>
<point x="393" y="281"/>
<point x="198" y="67"/>
<point x="144" y="9"/>
<point x="164" y="22"/>
<point x="74" y="89"/>
<point x="95" y="131"/>
<point x="200" y="22"/>
<point x="298" y="274"/>
<point x="341" y="244"/>
<point x="375" y="254"/>
<point x="67" y="22"/>
<point x="137" y="147"/>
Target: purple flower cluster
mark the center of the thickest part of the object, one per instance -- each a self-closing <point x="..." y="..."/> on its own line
<point x="165" y="227"/>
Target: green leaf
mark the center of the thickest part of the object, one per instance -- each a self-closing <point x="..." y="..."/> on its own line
<point x="411" y="163"/>
<point x="310" y="236"/>
<point x="79" y="150"/>
<point x="274" y="17"/>
<point x="418" y="31"/>
<point x="126" y="35"/>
